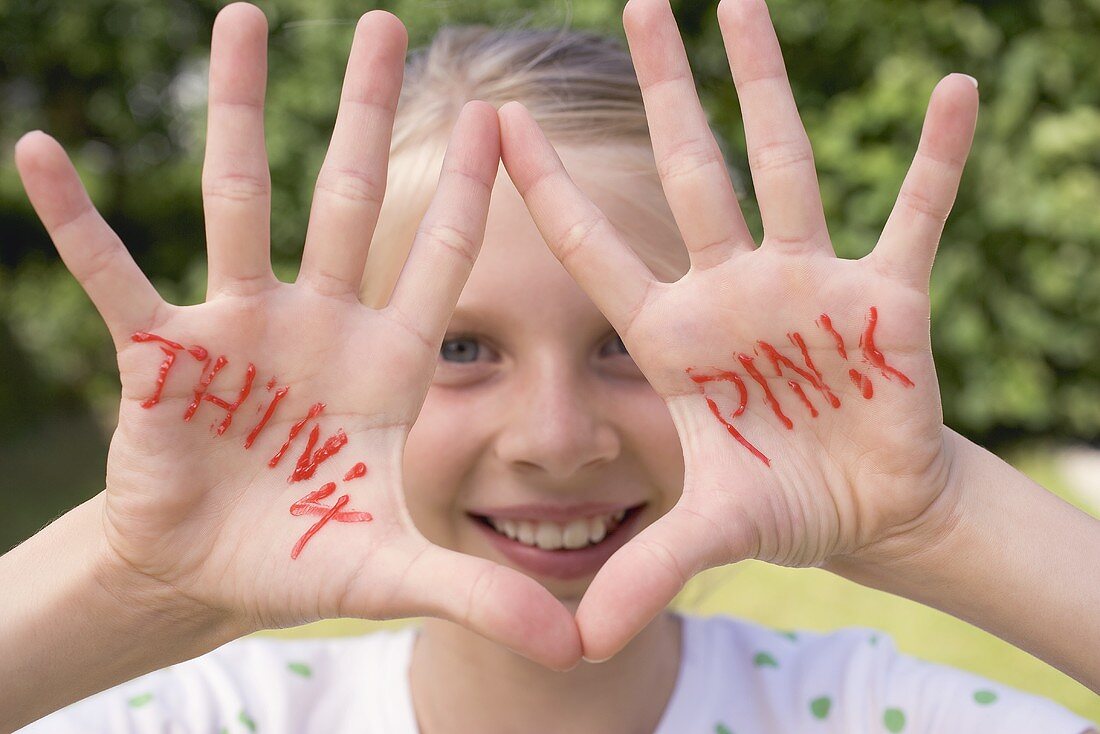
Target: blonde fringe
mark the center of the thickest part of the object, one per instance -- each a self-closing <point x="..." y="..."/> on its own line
<point x="581" y="88"/>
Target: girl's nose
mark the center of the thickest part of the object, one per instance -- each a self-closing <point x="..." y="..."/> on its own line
<point x="556" y="427"/>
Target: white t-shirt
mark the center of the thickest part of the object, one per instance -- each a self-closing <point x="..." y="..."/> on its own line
<point x="736" y="677"/>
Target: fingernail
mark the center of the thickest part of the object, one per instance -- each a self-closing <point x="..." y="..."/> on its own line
<point x="972" y="80"/>
<point x="593" y="660"/>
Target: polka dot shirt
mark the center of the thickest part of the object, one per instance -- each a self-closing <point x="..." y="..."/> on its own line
<point x="735" y="677"/>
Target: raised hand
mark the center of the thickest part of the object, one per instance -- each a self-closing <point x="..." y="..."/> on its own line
<point x="802" y="385"/>
<point x="256" y="467"/>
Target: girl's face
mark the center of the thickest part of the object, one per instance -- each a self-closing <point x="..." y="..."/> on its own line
<point x="540" y="444"/>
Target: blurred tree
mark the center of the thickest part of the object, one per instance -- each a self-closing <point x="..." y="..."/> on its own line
<point x="1016" y="287"/>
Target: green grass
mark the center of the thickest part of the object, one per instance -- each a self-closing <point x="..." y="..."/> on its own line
<point x="813" y="599"/>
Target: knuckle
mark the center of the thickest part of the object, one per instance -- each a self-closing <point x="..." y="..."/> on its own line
<point x="450" y="238"/>
<point x="666" y="559"/>
<point x="481" y="588"/>
<point x="578" y="236"/>
<point x="97" y="262"/>
<point x="687" y="158"/>
<point x="469" y="176"/>
<point x="333" y="285"/>
<point x="544" y="177"/>
<point x="412" y="327"/>
<point x="353" y="186"/>
<point x="236" y="187"/>
<point x="635" y="311"/>
<point x="923" y="204"/>
<point x="671" y="82"/>
<point x="780" y="154"/>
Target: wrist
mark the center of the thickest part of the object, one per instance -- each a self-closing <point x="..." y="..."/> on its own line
<point x="916" y="547"/>
<point x="1004" y="554"/>
<point x="148" y="602"/>
<point x="75" y="621"/>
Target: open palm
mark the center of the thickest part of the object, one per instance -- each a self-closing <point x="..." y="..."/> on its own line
<point x="256" y="468"/>
<point x="802" y="385"/>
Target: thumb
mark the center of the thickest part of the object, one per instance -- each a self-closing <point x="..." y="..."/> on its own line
<point x="496" y="602"/>
<point x="643" y="576"/>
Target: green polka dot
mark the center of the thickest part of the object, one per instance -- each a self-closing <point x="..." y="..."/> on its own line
<point x="789" y="635"/>
<point x="247" y="720"/>
<point x="763" y="659"/>
<point x="300" y="668"/>
<point x="139" y="701"/>
<point x="819" y="707"/>
<point x="985" y="697"/>
<point x="873" y="640"/>
<point x="722" y="729"/>
<point x="894" y="720"/>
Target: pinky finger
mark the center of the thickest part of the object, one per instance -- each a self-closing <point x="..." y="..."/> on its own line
<point x="90" y="249"/>
<point x="909" y="241"/>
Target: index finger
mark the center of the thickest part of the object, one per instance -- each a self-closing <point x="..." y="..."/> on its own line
<point x="450" y="234"/>
<point x="575" y="229"/>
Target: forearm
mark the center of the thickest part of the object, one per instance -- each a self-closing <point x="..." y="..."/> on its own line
<point x="1011" y="558"/>
<point x="73" y="624"/>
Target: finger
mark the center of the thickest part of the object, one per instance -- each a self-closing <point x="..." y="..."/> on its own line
<point x="496" y="602"/>
<point x="577" y="232"/>
<point x="451" y="232"/>
<point x="911" y="237"/>
<point x="780" y="157"/>
<point x="91" y="251"/>
<point x="352" y="180"/>
<point x="236" y="185"/>
<point x="643" y="576"/>
<point x="693" y="172"/>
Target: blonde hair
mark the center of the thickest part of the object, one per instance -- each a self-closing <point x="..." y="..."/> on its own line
<point x="581" y="88"/>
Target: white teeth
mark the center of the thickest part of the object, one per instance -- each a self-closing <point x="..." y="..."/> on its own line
<point x="548" y="536"/>
<point x="555" y="536"/>
<point x="526" y="533"/>
<point x="596" y="530"/>
<point x="576" y="534"/>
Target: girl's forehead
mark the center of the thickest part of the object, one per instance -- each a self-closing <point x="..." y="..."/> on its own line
<point x="516" y="280"/>
<point x="515" y="268"/>
<point x="630" y="197"/>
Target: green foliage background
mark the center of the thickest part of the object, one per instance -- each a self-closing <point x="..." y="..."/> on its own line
<point x="1015" y="289"/>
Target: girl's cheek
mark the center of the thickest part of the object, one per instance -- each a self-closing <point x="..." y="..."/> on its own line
<point x="655" y="442"/>
<point x="461" y="376"/>
<point x="437" y="454"/>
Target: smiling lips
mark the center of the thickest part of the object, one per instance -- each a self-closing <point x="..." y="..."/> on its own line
<point x="559" y="548"/>
<point x="555" y="536"/>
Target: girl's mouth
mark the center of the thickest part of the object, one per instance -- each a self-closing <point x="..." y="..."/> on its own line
<point x="563" y="550"/>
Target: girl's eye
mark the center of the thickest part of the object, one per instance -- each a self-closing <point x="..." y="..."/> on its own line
<point x="467" y="349"/>
<point x="459" y="349"/>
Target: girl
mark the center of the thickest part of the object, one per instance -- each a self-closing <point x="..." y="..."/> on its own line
<point x="586" y="437"/>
